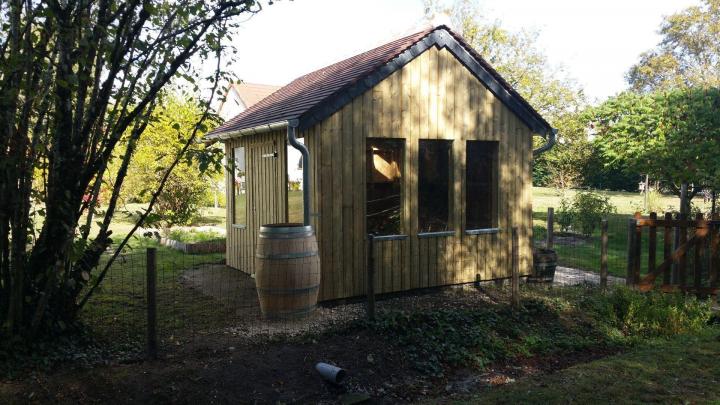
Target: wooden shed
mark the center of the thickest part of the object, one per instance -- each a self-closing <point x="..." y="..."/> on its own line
<point x="418" y="141"/>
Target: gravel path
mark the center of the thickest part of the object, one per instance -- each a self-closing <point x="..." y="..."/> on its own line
<point x="571" y="276"/>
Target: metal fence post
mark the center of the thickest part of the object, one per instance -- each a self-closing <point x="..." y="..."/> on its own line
<point x="515" y="288"/>
<point x="151" y="271"/>
<point x="550" y="227"/>
<point x="371" y="278"/>
<point x="604" y="253"/>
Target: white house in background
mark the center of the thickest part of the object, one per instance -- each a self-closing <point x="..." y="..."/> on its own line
<point x="239" y="97"/>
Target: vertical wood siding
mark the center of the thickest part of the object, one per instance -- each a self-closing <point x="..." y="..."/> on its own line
<point x="266" y="195"/>
<point x="432" y="97"/>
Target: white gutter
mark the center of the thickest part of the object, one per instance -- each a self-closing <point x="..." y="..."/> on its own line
<point x="260" y="129"/>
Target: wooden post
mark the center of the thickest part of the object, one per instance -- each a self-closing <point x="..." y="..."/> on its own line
<point x="550" y="227"/>
<point x="652" y="243"/>
<point x="699" y="251"/>
<point x="151" y="271"/>
<point x="682" y="264"/>
<point x="515" y="289"/>
<point x="630" y="251"/>
<point x="371" y="278"/>
<point x="714" y="248"/>
<point x="638" y="250"/>
<point x="603" y="253"/>
<point x="667" y="247"/>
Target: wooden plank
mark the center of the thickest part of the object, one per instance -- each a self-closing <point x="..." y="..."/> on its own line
<point x="358" y="189"/>
<point x="667" y="247"/>
<point x="682" y="264"/>
<point x="638" y="250"/>
<point x="714" y="253"/>
<point x="603" y="253"/>
<point x="699" y="252"/>
<point x="348" y="207"/>
<point x="632" y="224"/>
<point x="652" y="244"/>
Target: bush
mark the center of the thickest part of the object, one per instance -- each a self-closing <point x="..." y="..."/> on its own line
<point x="642" y="315"/>
<point x="194" y="236"/>
<point x="180" y="200"/>
<point x="585" y="212"/>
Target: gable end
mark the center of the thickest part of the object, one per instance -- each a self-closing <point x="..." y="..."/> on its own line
<point x="441" y="39"/>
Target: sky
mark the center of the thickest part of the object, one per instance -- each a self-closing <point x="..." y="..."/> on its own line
<point x="596" y="41"/>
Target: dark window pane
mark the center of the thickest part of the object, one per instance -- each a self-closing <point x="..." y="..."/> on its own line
<point x="384" y="191"/>
<point x="239" y="187"/>
<point x="434" y="185"/>
<point x="481" y="185"/>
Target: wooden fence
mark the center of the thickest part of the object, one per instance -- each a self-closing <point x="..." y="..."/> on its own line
<point x="690" y="259"/>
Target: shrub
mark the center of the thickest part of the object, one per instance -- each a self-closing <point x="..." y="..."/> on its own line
<point x="180" y="200"/>
<point x="194" y="236"/>
<point x="653" y="314"/>
<point x="585" y="212"/>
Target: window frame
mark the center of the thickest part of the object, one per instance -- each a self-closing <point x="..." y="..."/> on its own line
<point x="402" y="159"/>
<point x="451" y="216"/>
<point x="495" y="190"/>
<point x="234" y="186"/>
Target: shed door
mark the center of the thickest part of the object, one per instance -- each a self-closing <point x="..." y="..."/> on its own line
<point x="266" y="182"/>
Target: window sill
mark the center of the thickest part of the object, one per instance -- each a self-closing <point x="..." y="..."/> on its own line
<point x="389" y="237"/>
<point x="484" y="231"/>
<point x="423" y="235"/>
<point x="235" y="226"/>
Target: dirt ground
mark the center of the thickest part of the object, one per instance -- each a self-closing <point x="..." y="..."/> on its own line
<point x="274" y="373"/>
<point x="256" y="369"/>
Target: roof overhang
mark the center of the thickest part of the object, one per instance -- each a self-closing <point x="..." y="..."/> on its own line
<point x="260" y="129"/>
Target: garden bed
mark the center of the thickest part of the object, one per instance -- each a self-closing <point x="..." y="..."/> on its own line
<point x="195" y="241"/>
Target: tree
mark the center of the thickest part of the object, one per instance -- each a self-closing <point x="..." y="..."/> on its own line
<point x="688" y="54"/>
<point x="189" y="184"/>
<point x="673" y="136"/>
<point x="76" y="77"/>
<point x="558" y="98"/>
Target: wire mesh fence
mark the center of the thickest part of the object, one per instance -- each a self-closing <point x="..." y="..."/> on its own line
<point x="579" y="254"/>
<point x="200" y="303"/>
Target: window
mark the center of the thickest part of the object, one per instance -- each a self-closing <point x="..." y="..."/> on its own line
<point x="239" y="187"/>
<point x="294" y="180"/>
<point x="384" y="185"/>
<point x="434" y="183"/>
<point x="481" y="185"/>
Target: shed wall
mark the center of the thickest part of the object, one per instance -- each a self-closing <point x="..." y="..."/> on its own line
<point x="432" y="97"/>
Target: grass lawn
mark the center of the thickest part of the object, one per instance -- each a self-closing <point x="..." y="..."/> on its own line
<point x="117" y="311"/>
<point x="683" y="369"/>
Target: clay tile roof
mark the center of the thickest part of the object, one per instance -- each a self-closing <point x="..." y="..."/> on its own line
<point x="308" y="91"/>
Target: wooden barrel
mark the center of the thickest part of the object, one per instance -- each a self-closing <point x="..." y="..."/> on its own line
<point x="287" y="270"/>
<point x="544" y="264"/>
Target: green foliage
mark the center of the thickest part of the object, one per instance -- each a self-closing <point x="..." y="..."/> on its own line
<point x="573" y="319"/>
<point x="585" y="211"/>
<point x="687" y="55"/>
<point x="194" y="236"/>
<point x="193" y="179"/>
<point x="670" y="135"/>
<point x="628" y="313"/>
<point x="475" y="337"/>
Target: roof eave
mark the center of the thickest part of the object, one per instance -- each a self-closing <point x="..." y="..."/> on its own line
<point x="259" y="129"/>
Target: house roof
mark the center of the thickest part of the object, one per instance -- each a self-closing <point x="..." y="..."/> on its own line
<point x="251" y="93"/>
<point x="315" y="96"/>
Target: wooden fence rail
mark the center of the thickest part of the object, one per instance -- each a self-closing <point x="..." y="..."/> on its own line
<point x="697" y="241"/>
